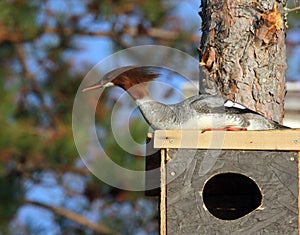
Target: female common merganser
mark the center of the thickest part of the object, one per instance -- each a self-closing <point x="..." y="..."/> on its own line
<point x="200" y="112"/>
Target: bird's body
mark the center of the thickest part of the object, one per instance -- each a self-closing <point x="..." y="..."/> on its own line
<point x="203" y="112"/>
<point x="200" y="112"/>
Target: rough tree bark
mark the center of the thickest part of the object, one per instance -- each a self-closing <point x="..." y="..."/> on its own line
<point x="243" y="51"/>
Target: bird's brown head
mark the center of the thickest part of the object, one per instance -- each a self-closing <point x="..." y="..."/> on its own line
<point x="134" y="80"/>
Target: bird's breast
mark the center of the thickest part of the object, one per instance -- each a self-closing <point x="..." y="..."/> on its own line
<point x="209" y="120"/>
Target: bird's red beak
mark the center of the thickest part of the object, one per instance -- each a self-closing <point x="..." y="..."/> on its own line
<point x="98" y="85"/>
<point x="93" y="87"/>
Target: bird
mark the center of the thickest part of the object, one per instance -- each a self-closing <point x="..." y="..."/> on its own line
<point x="203" y="112"/>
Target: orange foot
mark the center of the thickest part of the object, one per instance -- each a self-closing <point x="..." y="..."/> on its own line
<point x="228" y="128"/>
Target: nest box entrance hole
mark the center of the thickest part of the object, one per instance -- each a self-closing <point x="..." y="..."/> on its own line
<point x="229" y="196"/>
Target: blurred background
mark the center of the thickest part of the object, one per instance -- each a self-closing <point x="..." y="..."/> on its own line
<point x="46" y="49"/>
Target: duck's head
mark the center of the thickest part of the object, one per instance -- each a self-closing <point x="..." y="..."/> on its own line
<point x="132" y="79"/>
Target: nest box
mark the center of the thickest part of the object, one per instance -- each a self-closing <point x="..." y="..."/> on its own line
<point x="218" y="182"/>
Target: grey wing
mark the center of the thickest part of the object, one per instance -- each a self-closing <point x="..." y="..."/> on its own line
<point x="218" y="104"/>
<point x="208" y="104"/>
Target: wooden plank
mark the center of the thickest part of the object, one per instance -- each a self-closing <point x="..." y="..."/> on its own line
<point x="246" y="140"/>
<point x="163" y="195"/>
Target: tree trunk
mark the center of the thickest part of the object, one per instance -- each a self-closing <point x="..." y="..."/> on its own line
<point x="243" y="53"/>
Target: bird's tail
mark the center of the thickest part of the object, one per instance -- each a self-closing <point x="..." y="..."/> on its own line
<point x="278" y="126"/>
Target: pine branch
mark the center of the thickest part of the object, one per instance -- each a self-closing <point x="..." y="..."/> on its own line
<point x="157" y="33"/>
<point x="98" y="228"/>
<point x="287" y="10"/>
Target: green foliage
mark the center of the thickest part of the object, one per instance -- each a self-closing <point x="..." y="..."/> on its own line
<point x="11" y="191"/>
<point x="19" y="17"/>
<point x="155" y="11"/>
<point x="138" y="130"/>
